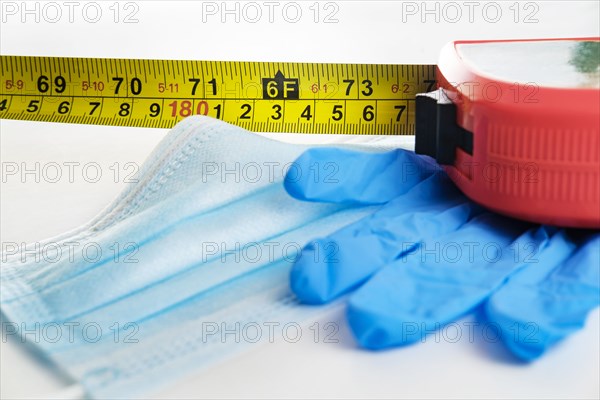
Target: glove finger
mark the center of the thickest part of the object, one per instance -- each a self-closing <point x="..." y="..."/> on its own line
<point x="356" y="177"/>
<point x="438" y="283"/>
<point x="333" y="265"/>
<point x="549" y="300"/>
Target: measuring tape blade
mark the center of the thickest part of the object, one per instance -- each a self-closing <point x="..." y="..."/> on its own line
<point x="258" y="96"/>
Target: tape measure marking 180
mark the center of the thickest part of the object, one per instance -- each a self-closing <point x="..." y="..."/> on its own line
<point x="258" y="96"/>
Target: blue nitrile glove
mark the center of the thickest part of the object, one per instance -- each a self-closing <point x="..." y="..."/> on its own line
<point x="430" y="255"/>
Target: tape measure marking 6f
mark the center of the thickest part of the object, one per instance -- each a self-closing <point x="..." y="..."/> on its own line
<point x="258" y="96"/>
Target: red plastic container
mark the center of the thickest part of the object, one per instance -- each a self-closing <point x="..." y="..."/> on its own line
<point x="533" y="108"/>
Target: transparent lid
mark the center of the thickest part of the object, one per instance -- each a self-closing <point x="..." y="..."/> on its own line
<point x="554" y="63"/>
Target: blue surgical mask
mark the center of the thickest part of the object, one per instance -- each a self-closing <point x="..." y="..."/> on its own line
<point x="202" y="243"/>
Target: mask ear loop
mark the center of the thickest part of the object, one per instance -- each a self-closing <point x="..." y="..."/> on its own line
<point x="73" y="392"/>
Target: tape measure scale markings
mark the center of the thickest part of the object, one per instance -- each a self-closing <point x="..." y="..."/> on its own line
<point x="258" y="96"/>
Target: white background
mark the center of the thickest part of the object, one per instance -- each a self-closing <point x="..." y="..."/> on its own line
<point x="366" y="32"/>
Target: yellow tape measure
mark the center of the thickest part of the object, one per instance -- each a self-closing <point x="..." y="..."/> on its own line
<point x="258" y="96"/>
